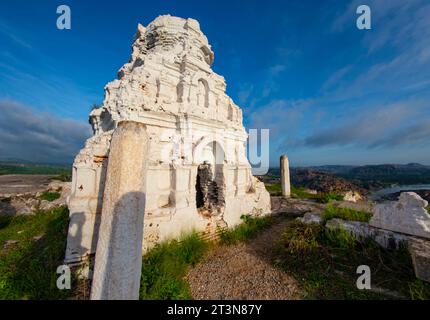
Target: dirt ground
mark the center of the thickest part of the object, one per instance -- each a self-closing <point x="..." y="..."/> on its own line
<point x="13" y="184"/>
<point x="246" y="270"/>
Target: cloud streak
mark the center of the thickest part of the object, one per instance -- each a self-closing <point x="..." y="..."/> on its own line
<point x="389" y="126"/>
<point x="40" y="137"/>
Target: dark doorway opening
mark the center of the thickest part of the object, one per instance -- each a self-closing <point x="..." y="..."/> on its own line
<point x="206" y="188"/>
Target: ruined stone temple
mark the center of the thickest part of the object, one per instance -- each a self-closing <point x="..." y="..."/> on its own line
<point x="197" y="174"/>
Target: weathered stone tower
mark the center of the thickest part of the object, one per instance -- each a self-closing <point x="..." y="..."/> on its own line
<point x="198" y="176"/>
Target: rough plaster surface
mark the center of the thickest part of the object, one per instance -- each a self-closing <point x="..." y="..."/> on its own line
<point x="119" y="249"/>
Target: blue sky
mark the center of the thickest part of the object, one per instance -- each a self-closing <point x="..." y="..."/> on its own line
<point x="330" y="93"/>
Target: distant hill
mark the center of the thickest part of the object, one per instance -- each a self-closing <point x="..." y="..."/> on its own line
<point x="412" y="173"/>
<point x="17" y="166"/>
<point x="323" y="181"/>
<point x="363" y="177"/>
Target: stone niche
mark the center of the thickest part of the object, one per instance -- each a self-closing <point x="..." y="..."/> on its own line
<point x="198" y="176"/>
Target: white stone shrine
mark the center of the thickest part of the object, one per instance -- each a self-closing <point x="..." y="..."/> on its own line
<point x="198" y="176"/>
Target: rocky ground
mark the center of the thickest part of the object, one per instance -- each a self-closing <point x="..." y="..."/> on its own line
<point x="21" y="194"/>
<point x="246" y="270"/>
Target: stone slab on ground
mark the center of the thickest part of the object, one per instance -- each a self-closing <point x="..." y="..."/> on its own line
<point x="420" y="253"/>
<point x="311" y="217"/>
<point x="408" y="216"/>
<point x="362" y="230"/>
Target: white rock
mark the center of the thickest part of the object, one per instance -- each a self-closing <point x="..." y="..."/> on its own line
<point x="362" y="230"/>
<point x="407" y="216"/>
<point x="352" y="196"/>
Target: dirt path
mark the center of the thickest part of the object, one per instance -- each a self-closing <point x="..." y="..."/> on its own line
<point x="245" y="270"/>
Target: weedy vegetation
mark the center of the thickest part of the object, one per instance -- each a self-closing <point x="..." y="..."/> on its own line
<point x="246" y="230"/>
<point x="31" y="249"/>
<point x="164" y="268"/>
<point x="325" y="262"/>
<point x="331" y="212"/>
<point x="50" y="196"/>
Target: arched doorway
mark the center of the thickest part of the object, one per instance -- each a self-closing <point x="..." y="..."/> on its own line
<point x="210" y="179"/>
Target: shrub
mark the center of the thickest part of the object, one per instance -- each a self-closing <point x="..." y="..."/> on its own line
<point x="328" y="197"/>
<point x="50" y="196"/>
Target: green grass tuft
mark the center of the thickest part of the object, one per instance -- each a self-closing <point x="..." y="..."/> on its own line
<point x="28" y="267"/>
<point x="274" y="189"/>
<point x="331" y="212"/>
<point x="165" y="266"/>
<point x="50" y="196"/>
<point x="329" y="197"/>
<point x="418" y="290"/>
<point x="65" y="176"/>
<point x="246" y="230"/>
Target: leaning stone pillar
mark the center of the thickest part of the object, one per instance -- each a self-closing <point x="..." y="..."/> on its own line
<point x="285" y="176"/>
<point x="119" y="248"/>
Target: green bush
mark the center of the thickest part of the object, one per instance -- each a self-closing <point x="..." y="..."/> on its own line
<point x="274" y="189"/>
<point x="28" y="267"/>
<point x="165" y="266"/>
<point x="50" y="196"/>
<point x="328" y="197"/>
<point x="246" y="230"/>
<point x="331" y="212"/>
<point x="65" y="176"/>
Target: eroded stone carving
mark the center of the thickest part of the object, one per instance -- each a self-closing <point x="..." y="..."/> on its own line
<point x="169" y="86"/>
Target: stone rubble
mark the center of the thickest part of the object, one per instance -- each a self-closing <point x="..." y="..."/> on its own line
<point x="30" y="202"/>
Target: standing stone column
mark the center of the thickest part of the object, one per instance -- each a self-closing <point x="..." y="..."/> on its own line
<point x="118" y="261"/>
<point x="285" y="176"/>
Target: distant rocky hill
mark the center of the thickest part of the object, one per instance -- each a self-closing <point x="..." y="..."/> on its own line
<point x="17" y="166"/>
<point x="323" y="181"/>
<point x="374" y="176"/>
<point x="356" y="178"/>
